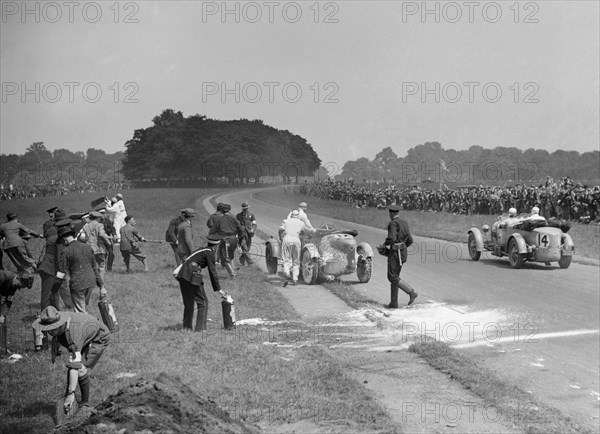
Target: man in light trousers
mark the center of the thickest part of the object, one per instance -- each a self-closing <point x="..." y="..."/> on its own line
<point x="290" y="246"/>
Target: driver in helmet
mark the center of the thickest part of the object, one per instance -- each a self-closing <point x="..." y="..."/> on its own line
<point x="511" y="220"/>
<point x="535" y="215"/>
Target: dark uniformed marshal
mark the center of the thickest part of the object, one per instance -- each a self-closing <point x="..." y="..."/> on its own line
<point x="395" y="248"/>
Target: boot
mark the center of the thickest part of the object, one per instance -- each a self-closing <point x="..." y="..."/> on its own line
<point x="45" y="344"/>
<point x="394" y="297"/>
<point x="201" y="320"/>
<point x="84" y="388"/>
<point x="409" y="290"/>
<point x="145" y="264"/>
<point x="412" y="296"/>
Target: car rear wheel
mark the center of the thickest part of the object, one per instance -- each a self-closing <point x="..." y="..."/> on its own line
<point x="564" y="261"/>
<point x="364" y="269"/>
<point x="309" y="268"/>
<point x="516" y="259"/>
<point x="271" y="260"/>
<point x="473" y="252"/>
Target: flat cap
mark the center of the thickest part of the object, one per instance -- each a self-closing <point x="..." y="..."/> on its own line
<point x="59" y="214"/>
<point x="213" y="239"/>
<point x="96" y="214"/>
<point x="64" y="231"/>
<point x="11" y="215"/>
<point x="49" y="210"/>
<point x="302" y="204"/>
<point x="226" y="207"/>
<point x="63" y="222"/>
<point x="394" y="208"/>
<point x="189" y="212"/>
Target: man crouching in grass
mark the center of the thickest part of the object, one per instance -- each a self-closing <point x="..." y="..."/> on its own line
<point x="85" y="337"/>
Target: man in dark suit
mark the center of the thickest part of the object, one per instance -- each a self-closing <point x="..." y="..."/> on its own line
<point x="248" y="221"/>
<point x="50" y="222"/>
<point x="171" y="234"/>
<point x="395" y="248"/>
<point x="229" y="229"/>
<point x="185" y="237"/>
<point x="14" y="245"/>
<point x="214" y="218"/>
<point x="191" y="283"/>
<point x="77" y="259"/>
<point x="61" y="299"/>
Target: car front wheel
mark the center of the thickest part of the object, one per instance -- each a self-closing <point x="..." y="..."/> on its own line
<point x="473" y="252"/>
<point x="516" y="259"/>
<point x="309" y="267"/>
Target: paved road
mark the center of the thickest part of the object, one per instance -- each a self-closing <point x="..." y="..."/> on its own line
<point x="538" y="326"/>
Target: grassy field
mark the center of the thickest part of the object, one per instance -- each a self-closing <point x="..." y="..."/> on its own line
<point x="444" y="226"/>
<point x="267" y="384"/>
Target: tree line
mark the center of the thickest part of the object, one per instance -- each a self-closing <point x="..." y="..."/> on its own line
<point x="430" y="162"/>
<point x="39" y="166"/>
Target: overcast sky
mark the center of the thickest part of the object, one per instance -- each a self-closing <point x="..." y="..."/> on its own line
<point x="363" y="70"/>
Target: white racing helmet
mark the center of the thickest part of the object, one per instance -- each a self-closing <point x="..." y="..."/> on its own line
<point x="512" y="212"/>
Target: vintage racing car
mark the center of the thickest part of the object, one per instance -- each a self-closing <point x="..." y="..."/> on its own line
<point x="523" y="239"/>
<point x="327" y="253"/>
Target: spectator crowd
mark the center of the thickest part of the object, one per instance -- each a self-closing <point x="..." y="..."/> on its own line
<point x="56" y="188"/>
<point x="565" y="199"/>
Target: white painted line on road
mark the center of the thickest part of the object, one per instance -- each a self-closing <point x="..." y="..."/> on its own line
<point x="537" y="336"/>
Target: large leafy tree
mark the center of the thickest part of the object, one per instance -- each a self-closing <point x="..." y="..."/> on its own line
<point x="198" y="147"/>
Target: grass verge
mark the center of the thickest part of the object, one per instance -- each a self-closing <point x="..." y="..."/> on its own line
<point x="271" y="375"/>
<point x="443" y="226"/>
<point x="353" y="298"/>
<point x="514" y="404"/>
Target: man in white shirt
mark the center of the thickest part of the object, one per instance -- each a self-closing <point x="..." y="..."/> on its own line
<point x="302" y="215"/>
<point x="535" y="214"/>
<point x="118" y="209"/>
<point x="290" y="245"/>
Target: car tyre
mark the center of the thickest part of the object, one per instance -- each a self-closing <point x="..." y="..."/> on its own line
<point x="473" y="252"/>
<point x="564" y="261"/>
<point x="516" y="259"/>
<point x="364" y="269"/>
<point x="271" y="260"/>
<point x="309" y="267"/>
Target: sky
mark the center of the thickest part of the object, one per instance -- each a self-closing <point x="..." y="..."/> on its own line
<point x="352" y="77"/>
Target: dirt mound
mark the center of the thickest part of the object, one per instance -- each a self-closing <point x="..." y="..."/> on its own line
<point x="164" y="405"/>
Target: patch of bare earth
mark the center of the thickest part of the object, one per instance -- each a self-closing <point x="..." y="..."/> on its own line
<point x="163" y="405"/>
